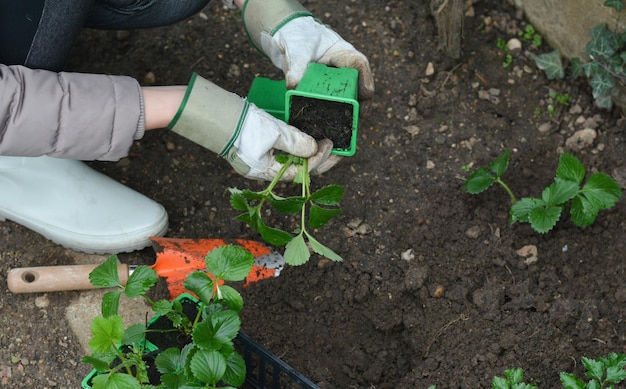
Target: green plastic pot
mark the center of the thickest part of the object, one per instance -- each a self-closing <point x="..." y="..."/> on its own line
<point x="334" y="87"/>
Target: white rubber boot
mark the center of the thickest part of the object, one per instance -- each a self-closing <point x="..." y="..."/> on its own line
<point x="73" y="205"/>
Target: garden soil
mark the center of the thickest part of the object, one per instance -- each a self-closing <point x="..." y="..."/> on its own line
<point x="433" y="289"/>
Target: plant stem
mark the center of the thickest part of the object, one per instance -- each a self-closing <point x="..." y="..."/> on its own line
<point x="508" y="190"/>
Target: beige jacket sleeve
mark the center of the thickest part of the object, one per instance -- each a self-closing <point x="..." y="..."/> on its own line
<point x="68" y="115"/>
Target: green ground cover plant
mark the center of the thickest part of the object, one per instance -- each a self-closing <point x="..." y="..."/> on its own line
<point x="604" y="65"/>
<point x="207" y="360"/>
<point x="568" y="191"/>
<point x="314" y="208"/>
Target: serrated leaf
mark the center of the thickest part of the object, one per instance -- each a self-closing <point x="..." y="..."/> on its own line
<point x="601" y="190"/>
<point x="319" y="216"/>
<point x="500" y="383"/>
<point x="106" y="332"/>
<point x="235" y="373"/>
<point x="543" y="219"/>
<point x="98" y="361"/>
<point x="208" y="366"/>
<point x="231" y="297"/>
<point x="520" y="211"/>
<point x="323" y="250"/>
<point x="162" y="307"/>
<point x="169" y="361"/>
<point x="327" y="195"/>
<point x="134" y="334"/>
<point x="296" y="251"/>
<point x="559" y="192"/>
<point x="106" y="274"/>
<point x="479" y="181"/>
<point x="288" y="205"/>
<point x="275" y="236"/>
<point x="514" y="376"/>
<point x="110" y="303"/>
<point x="570" y="381"/>
<point x="582" y="212"/>
<point x="570" y="168"/>
<point x="594" y="369"/>
<point x="142" y="279"/>
<point x="237" y="200"/>
<point x="202" y="285"/>
<point x="230" y="262"/>
<point x="501" y="164"/>
<point x="115" y="381"/>
<point x="219" y="329"/>
<point x="551" y="64"/>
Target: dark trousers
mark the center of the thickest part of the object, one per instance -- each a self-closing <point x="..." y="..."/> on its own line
<point x="40" y="33"/>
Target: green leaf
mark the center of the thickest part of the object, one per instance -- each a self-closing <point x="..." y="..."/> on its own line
<point x="99" y="361"/>
<point x="500" y="383"/>
<point x="106" y="332"/>
<point x="208" y="366"/>
<point x="520" y="211"/>
<point x="323" y="250"/>
<point x="319" y="216"/>
<point x="479" y="181"/>
<point x="288" y="205"/>
<point x="551" y="64"/>
<point x="274" y="236"/>
<point x="583" y="213"/>
<point x="220" y="328"/>
<point x="235" y="373"/>
<point x="237" y="200"/>
<point x="559" y="192"/>
<point x="162" y="307"/>
<point x="327" y="195"/>
<point x="169" y="361"/>
<point x="231" y="297"/>
<point x="134" y="334"/>
<point x="230" y="262"/>
<point x="594" y="369"/>
<point x="106" y="275"/>
<point x="603" y="44"/>
<point x="501" y="164"/>
<point x="570" y="168"/>
<point x="570" y="381"/>
<point x="543" y="219"/>
<point x="577" y="68"/>
<point x="617" y="5"/>
<point x="514" y="376"/>
<point x="601" y="190"/>
<point x="202" y="285"/>
<point x="296" y="251"/>
<point x="111" y="302"/>
<point x="115" y="381"/>
<point x="142" y="279"/>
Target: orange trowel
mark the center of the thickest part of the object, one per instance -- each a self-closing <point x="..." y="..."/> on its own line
<point x="175" y="258"/>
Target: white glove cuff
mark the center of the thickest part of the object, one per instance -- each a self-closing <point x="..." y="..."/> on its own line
<point x="268" y="16"/>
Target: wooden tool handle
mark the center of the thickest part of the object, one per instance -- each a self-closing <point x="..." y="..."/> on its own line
<point x="55" y="278"/>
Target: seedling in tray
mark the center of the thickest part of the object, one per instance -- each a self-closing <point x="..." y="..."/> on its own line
<point x="585" y="201"/>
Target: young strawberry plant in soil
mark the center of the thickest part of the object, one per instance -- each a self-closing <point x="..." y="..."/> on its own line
<point x="430" y="290"/>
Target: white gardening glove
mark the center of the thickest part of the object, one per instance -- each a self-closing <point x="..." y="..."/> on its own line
<point x="245" y="134"/>
<point x="252" y="153"/>
<point x="304" y="40"/>
<point x="289" y="35"/>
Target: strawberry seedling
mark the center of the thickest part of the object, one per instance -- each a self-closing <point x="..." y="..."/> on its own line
<point x="585" y="201"/>
<point x="320" y="205"/>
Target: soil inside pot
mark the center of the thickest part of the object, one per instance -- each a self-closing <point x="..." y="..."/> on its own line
<point x="323" y="119"/>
